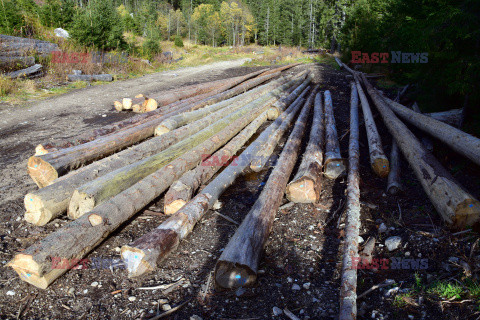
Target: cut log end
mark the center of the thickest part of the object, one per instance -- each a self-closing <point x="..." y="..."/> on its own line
<point x="303" y="190"/>
<point x="174" y="206"/>
<point x="134" y="262"/>
<point x="161" y="130"/>
<point x="334" y="168"/>
<point x="230" y="276"/>
<point x="39" y="282"/>
<point x="25" y="263"/>
<point x="273" y="113"/>
<point x="149" y="105"/>
<point x="36" y="213"/>
<point x="137" y="108"/>
<point x="41" y="171"/>
<point x="95" y="219"/>
<point x="80" y="203"/>
<point x="257" y="165"/>
<point x="467" y="214"/>
<point x="394" y="188"/>
<point x="40" y="150"/>
<point x="118" y="105"/>
<point x="381" y="167"/>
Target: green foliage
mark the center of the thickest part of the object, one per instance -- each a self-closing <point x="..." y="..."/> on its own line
<point x="13" y="16"/>
<point x="151" y="47"/>
<point x="99" y="25"/>
<point x="446" y="290"/>
<point x="178" y="42"/>
<point x="57" y="13"/>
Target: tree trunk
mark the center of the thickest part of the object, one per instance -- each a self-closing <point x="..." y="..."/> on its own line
<point x="89" y="77"/>
<point x="378" y="160"/>
<point x="452" y="117"/>
<point x="262" y="157"/>
<point x="348" y="287"/>
<point x="77" y="238"/>
<point x="20" y="61"/>
<point x="457" y="207"/>
<point x="48" y="203"/>
<point x="95" y="192"/>
<point x="460" y="141"/>
<point x="426" y="141"/>
<point x="394" y="186"/>
<point x="29" y="73"/>
<point x="45" y="169"/>
<point x="307" y="183"/>
<point x="277" y="108"/>
<point x="334" y="165"/>
<point x="238" y="264"/>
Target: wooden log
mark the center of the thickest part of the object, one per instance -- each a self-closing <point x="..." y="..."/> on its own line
<point x="186" y="117"/>
<point x="30" y="72"/>
<point x="26" y="45"/>
<point x="148" y="105"/>
<point x="280" y="105"/>
<point x="50" y="202"/>
<point x="263" y="155"/>
<point x="393" y="185"/>
<point x="348" y="286"/>
<point x="456" y="206"/>
<point x="89" y="77"/>
<point x="452" y="117"/>
<point x="44" y="169"/>
<point x="307" y="183"/>
<point x="146" y="252"/>
<point x="369" y="76"/>
<point x="462" y="142"/>
<point x="86" y="197"/>
<point x="77" y="238"/>
<point x="238" y="263"/>
<point x="378" y="160"/>
<point x="334" y="165"/>
<point x="426" y="141"/>
<point x="16" y="61"/>
<point x="339" y="62"/>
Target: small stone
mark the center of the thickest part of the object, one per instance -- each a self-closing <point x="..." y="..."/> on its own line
<point x="407" y="254"/>
<point x="104" y="115"/>
<point x="393" y="243"/>
<point x="306" y="285"/>
<point x="411" y="316"/>
<point x="195" y="317"/>
<point x="360" y="240"/>
<point x="240" y="291"/>
<point x="132" y="299"/>
<point x="391" y="292"/>
<point x="419" y="255"/>
<point x="289" y="279"/>
<point x="217" y="205"/>
<point x="94" y="284"/>
<point x="57" y="225"/>
<point x="85" y="291"/>
<point x="71" y="291"/>
<point x="10" y="293"/>
<point x="162" y="301"/>
<point x="166" y="307"/>
<point x="277" y="311"/>
<point x="117" y="249"/>
<point x="296" y="287"/>
<point x="382" y="228"/>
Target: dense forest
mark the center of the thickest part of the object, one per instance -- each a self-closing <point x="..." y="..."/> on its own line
<point x="449" y="31"/>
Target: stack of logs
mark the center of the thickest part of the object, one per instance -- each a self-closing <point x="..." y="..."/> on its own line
<point x="101" y="184"/>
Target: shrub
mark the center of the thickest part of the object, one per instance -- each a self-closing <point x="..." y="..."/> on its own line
<point x="178" y="41"/>
<point x="150" y="48"/>
<point x="57" y="13"/>
<point x="99" y="25"/>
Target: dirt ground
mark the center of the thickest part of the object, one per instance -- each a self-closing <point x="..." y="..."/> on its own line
<point x="301" y="250"/>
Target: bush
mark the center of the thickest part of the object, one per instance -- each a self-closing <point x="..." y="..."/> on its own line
<point x="14" y="14"/>
<point x="178" y="41"/>
<point x="99" y="25"/>
<point x="150" y="48"/>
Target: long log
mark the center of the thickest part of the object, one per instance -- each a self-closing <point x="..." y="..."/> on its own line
<point x="44" y="169"/>
<point x="145" y="253"/>
<point x="30" y="72"/>
<point x="280" y="105"/>
<point x="47" y="203"/>
<point x="90" y="77"/>
<point x="462" y="142"/>
<point x="238" y="263"/>
<point x="182" y="190"/>
<point x="452" y="117"/>
<point x="181" y="119"/>
<point x="456" y="206"/>
<point x="378" y="160"/>
<point x="426" y="141"/>
<point x="77" y="238"/>
<point x="91" y="194"/>
<point x="393" y="182"/>
<point x="22" y="61"/>
<point x="348" y="286"/>
<point x="307" y="183"/>
<point x="262" y="157"/>
<point x="334" y="165"/>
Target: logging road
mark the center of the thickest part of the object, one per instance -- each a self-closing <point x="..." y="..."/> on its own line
<point x="299" y="269"/>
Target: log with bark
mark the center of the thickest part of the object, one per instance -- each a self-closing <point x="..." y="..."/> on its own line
<point x="34" y="71"/>
<point x="16" y="62"/>
<point x="238" y="263"/>
<point x="334" y="165"/>
<point x="77" y="238"/>
<point x="453" y="117"/>
<point x="393" y="185"/>
<point x="48" y="203"/>
<point x="426" y="141"/>
<point x="44" y="169"/>
<point x="280" y="105"/>
<point x="145" y="253"/>
<point x="348" y="286"/>
<point x="307" y="183"/>
<point x="262" y="157"/>
<point x="90" y="77"/>
<point x="24" y="46"/>
<point x="378" y="160"/>
<point x="456" y="206"/>
<point x="462" y="142"/>
<point x="95" y="192"/>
